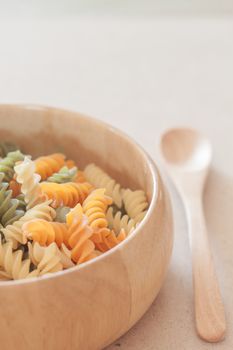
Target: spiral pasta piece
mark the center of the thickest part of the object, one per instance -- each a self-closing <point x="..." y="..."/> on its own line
<point x="45" y="232"/>
<point x="46" y="259"/>
<point x="65" y="257"/>
<point x="63" y="175"/>
<point x="9" y="208"/>
<point x="22" y="204"/>
<point x="95" y="207"/>
<point x="9" y="212"/>
<point x="12" y="264"/>
<point x="80" y="177"/>
<point x="79" y="233"/>
<point x="118" y="221"/>
<point x="98" y="178"/>
<point x="25" y="175"/>
<point x="70" y="163"/>
<point x="47" y="165"/>
<point x="7" y="164"/>
<point x="68" y="194"/>
<point x="15" y="187"/>
<point x="14" y="232"/>
<point x="135" y="204"/>
<point x="105" y="239"/>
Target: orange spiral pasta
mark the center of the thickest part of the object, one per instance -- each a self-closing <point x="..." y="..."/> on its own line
<point x="105" y="239"/>
<point x="80" y="177"/>
<point x="79" y="233"/>
<point x="70" y="163"/>
<point x="15" y="187"/>
<point x="47" y="165"/>
<point x="45" y="232"/>
<point x="95" y="207"/>
<point x="67" y="194"/>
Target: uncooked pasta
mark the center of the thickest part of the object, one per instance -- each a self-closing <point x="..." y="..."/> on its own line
<point x="54" y="215"/>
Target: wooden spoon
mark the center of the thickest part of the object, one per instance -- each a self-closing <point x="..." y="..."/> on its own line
<point x="187" y="155"/>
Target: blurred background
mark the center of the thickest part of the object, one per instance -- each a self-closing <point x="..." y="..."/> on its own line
<point x="150" y="8"/>
<point x="137" y="64"/>
<point x="142" y="66"/>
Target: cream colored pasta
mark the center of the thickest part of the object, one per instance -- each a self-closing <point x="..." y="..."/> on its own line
<point x="26" y="176"/>
<point x="118" y="221"/>
<point x="46" y="259"/>
<point x="12" y="264"/>
<point x="135" y="203"/>
<point x="98" y="178"/>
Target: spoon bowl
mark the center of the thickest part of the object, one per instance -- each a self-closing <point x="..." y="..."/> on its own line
<point x="187" y="149"/>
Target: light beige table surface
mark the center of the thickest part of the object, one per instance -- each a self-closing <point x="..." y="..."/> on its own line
<point x="143" y="76"/>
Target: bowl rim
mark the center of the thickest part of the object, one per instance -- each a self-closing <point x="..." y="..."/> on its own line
<point x="151" y="166"/>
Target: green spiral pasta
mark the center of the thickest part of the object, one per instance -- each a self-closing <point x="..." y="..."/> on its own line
<point x="64" y="175"/>
<point x="7" y="164"/>
<point x="61" y="213"/>
<point x="6" y="147"/>
<point x="9" y="211"/>
<point x="22" y="204"/>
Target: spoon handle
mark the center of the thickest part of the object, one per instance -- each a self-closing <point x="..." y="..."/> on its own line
<point x="209" y="310"/>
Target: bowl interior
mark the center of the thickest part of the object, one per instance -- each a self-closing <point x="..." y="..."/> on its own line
<point x="40" y="131"/>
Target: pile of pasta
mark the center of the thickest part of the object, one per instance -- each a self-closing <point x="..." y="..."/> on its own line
<point x="54" y="216"/>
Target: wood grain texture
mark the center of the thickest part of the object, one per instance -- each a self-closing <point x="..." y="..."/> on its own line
<point x="90" y="306"/>
<point x="188" y="156"/>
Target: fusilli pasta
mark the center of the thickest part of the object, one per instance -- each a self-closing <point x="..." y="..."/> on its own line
<point x="54" y="216"/>
<point x="46" y="259"/>
<point x="15" y="187"/>
<point x="7" y="164"/>
<point x="106" y="239"/>
<point x="45" y="232"/>
<point x="9" y="211"/>
<point x="68" y="194"/>
<point x="79" y="233"/>
<point x="97" y="177"/>
<point x="22" y="204"/>
<point x="95" y="207"/>
<point x="65" y="256"/>
<point x="25" y="175"/>
<point x="118" y="221"/>
<point x="135" y="204"/>
<point x="80" y="177"/>
<point x="14" y="232"/>
<point x="70" y="163"/>
<point x="47" y="165"/>
<point x="12" y="264"/>
<point x="63" y="175"/>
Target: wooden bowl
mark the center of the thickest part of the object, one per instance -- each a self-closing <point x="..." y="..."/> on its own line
<point x="89" y="306"/>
